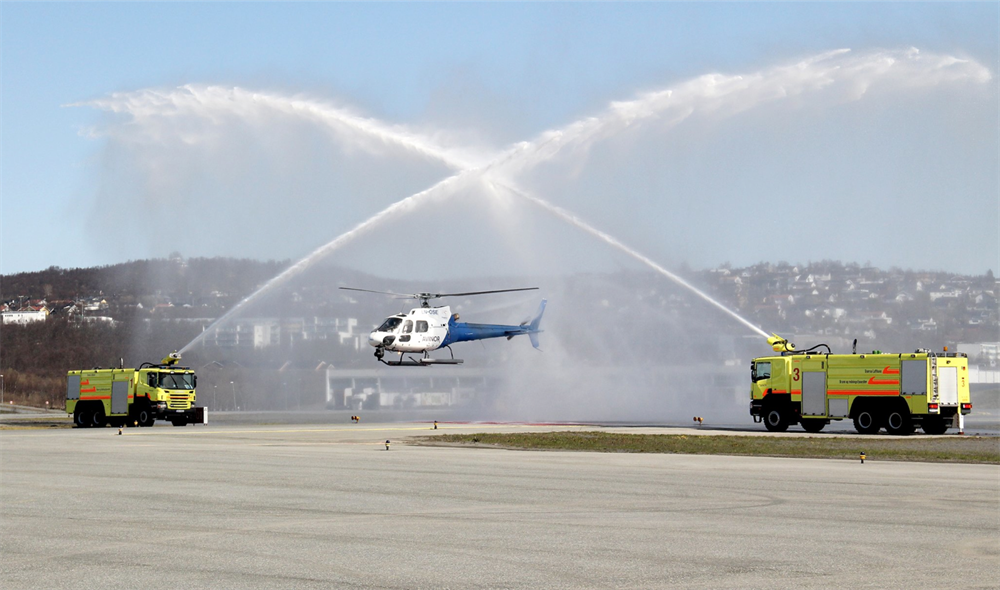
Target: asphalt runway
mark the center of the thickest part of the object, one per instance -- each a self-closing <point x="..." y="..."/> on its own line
<point x="326" y="506"/>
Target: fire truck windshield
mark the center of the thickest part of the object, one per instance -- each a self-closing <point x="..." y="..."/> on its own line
<point x="176" y="381"/>
<point x="760" y="371"/>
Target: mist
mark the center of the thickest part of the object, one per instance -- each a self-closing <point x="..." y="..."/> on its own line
<point x="724" y="167"/>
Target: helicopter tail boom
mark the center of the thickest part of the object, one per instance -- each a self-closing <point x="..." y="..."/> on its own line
<point x="465" y="332"/>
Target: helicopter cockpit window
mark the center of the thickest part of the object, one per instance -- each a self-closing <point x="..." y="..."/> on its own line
<point x="389" y="325"/>
<point x="408" y="327"/>
<point x="421" y="326"/>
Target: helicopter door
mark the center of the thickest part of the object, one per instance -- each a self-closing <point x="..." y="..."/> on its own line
<point x="407" y="329"/>
<point x="424" y="337"/>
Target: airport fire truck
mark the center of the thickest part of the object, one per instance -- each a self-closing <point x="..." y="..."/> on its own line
<point x="897" y="392"/>
<point x="140" y="396"/>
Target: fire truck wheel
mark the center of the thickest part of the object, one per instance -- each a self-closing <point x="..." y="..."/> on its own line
<point x="867" y="421"/>
<point x="934" y="425"/>
<point x="82" y="416"/>
<point x="812" y="424"/>
<point x="898" y="422"/>
<point x="98" y="420"/>
<point x="144" y="416"/>
<point x="774" y="419"/>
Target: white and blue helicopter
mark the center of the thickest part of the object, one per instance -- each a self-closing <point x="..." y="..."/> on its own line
<point x="427" y="328"/>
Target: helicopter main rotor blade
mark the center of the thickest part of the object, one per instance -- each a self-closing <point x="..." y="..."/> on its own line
<point x="427" y="296"/>
<point x="403" y="295"/>
<point x="483" y="292"/>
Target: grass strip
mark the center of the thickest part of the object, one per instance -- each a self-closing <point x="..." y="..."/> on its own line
<point x="36" y="424"/>
<point x="968" y="449"/>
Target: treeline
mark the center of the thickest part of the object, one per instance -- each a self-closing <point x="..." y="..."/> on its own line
<point x="34" y="358"/>
<point x="176" y="278"/>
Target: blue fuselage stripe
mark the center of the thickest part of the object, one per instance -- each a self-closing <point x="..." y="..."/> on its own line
<point x="463" y="332"/>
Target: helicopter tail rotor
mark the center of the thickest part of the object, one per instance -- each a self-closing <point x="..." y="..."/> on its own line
<point x="533" y="326"/>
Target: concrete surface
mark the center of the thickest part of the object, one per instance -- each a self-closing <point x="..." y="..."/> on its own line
<point x="326" y="506"/>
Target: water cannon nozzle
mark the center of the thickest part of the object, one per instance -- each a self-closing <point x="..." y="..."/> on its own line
<point x="171" y="359"/>
<point x="779" y="344"/>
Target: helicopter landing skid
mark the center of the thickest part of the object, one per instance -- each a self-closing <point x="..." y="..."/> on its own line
<point x="425" y="362"/>
<point x="430" y="361"/>
<point x="422" y="362"/>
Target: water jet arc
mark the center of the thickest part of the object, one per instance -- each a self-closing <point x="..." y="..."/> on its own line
<point x="578" y="223"/>
<point x="722" y="94"/>
<point x="397" y="208"/>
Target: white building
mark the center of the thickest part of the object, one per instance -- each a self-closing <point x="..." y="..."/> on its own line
<point x="25" y="317"/>
<point x="987" y="353"/>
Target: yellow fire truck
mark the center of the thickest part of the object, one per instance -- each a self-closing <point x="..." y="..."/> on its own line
<point x="134" y="396"/>
<point x="897" y="392"/>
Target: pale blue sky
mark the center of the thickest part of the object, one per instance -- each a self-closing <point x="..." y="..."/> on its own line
<point x="507" y="71"/>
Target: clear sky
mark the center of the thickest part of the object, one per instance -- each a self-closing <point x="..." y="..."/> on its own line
<point x="134" y="176"/>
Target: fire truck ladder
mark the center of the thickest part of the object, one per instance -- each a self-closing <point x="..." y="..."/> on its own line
<point x="934" y="378"/>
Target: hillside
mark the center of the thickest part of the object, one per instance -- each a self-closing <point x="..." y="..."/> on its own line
<point x="138" y="311"/>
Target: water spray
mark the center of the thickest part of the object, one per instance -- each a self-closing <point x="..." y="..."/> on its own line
<point x="614" y="243"/>
<point x="396" y="209"/>
<point x="721" y="95"/>
<point x="210" y="101"/>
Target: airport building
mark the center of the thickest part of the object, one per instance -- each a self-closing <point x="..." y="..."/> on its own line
<point x="717" y="385"/>
<point x="406" y="387"/>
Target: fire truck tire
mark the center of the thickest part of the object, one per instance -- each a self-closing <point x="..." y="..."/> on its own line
<point x="866" y="421"/>
<point x="934" y="425"/>
<point x="97" y="419"/>
<point x="144" y="416"/>
<point x="812" y="424"/>
<point x="899" y="422"/>
<point x="81" y="416"/>
<point x="774" y="419"/>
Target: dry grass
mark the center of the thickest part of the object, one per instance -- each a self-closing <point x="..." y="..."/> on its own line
<point x="950" y="449"/>
<point x="35" y="423"/>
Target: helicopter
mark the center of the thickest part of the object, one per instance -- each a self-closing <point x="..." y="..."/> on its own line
<point x="427" y="328"/>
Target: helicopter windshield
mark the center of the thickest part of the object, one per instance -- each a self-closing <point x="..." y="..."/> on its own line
<point x="389" y="325"/>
